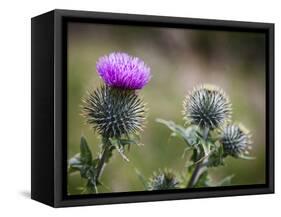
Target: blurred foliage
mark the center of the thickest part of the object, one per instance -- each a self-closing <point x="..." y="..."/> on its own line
<point x="179" y="60"/>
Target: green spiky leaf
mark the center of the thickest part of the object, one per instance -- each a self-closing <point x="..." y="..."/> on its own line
<point x="189" y="134"/>
<point x="85" y="152"/>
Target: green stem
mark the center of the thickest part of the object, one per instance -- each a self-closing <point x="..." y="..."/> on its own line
<point x="103" y="158"/>
<point x="198" y="171"/>
<point x="200" y="167"/>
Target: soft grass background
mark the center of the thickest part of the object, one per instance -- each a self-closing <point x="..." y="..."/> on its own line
<point x="179" y="60"/>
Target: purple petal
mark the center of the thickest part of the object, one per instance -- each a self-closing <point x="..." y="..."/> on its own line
<point x="123" y="71"/>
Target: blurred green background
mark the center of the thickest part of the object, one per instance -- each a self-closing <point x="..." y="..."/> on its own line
<point x="179" y="60"/>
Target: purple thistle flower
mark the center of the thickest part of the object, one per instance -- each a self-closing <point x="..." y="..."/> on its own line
<point x="123" y="71"/>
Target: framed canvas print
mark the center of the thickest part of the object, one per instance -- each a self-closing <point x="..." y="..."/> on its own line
<point x="133" y="108"/>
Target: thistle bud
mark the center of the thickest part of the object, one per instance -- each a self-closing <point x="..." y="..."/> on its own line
<point x="163" y="180"/>
<point x="114" y="112"/>
<point x="236" y="140"/>
<point x="207" y="106"/>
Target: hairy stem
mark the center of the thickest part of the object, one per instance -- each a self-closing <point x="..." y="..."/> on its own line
<point x="200" y="167"/>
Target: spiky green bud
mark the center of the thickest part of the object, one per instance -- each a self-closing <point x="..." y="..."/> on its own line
<point x="114" y="112"/>
<point x="163" y="180"/>
<point x="236" y="140"/>
<point x="207" y="106"/>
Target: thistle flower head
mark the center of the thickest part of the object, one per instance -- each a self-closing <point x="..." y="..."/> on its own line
<point x="163" y="180"/>
<point x="114" y="112"/>
<point x="123" y="71"/>
<point x="236" y="140"/>
<point x="207" y="106"/>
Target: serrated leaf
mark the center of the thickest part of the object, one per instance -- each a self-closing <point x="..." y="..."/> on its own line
<point x="85" y="152"/>
<point x="189" y="135"/>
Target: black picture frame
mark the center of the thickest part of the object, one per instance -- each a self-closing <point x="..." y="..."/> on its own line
<point x="49" y="110"/>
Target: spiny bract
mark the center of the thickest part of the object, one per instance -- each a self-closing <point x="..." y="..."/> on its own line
<point x="163" y="180"/>
<point x="235" y="140"/>
<point x="114" y="112"/>
<point x="207" y="106"/>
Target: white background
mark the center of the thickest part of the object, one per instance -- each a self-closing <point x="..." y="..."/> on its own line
<point x="15" y="106"/>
